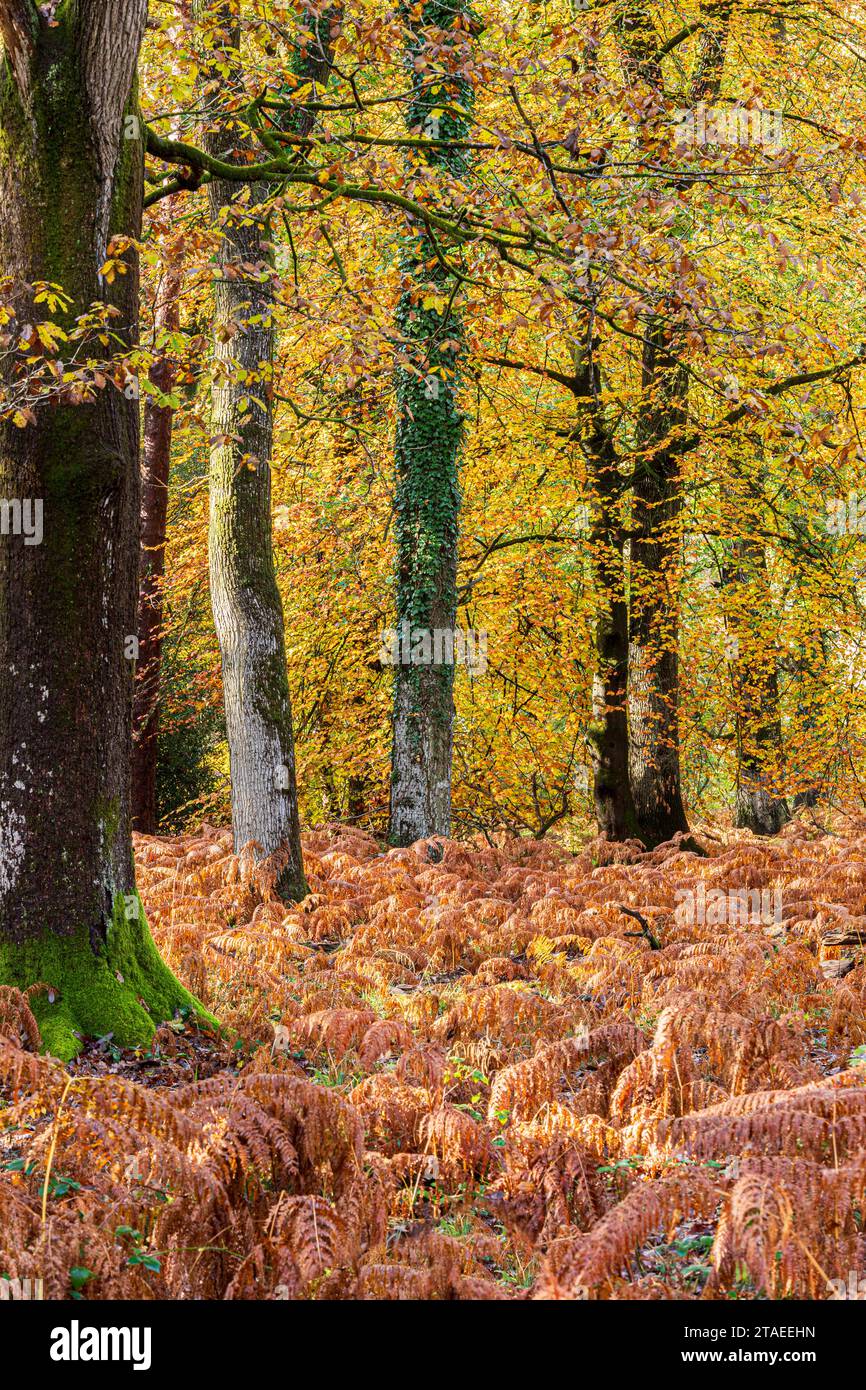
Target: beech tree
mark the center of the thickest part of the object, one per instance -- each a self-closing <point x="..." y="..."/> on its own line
<point x="608" y="729"/>
<point x="247" y="609"/>
<point x="573" y="158"/>
<point x="653" y="676"/>
<point x="662" y="416"/>
<point x="71" y="173"/>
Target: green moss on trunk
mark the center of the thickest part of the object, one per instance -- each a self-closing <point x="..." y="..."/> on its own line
<point x="123" y="988"/>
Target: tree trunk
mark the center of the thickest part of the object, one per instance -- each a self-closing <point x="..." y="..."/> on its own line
<point x="156" y="460"/>
<point x="654" y="617"/>
<point x="429" y="431"/>
<point x="756" y="693"/>
<point x="608" y="731"/>
<point x="807" y="767"/>
<point x="69" y="181"/>
<point x="427" y="507"/>
<point x="248" y="612"/>
<point x="247" y="609"/>
<point x="653" y="700"/>
<point x="614" y="804"/>
<point x="809" y="670"/>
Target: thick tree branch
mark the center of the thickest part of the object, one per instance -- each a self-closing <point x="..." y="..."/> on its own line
<point x="570" y="382"/>
<point x="459" y="228"/>
<point x="751" y="406"/>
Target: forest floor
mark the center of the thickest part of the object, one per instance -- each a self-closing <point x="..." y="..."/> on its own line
<point x="468" y="1071"/>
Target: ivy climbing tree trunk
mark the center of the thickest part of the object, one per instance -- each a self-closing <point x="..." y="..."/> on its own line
<point x="427" y="446"/>
<point x="69" y="182"/>
<point x="155" y="464"/>
<point x="248" y="611"/>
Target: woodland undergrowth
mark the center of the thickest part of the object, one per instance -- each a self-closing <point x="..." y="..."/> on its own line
<point x="465" y="1071"/>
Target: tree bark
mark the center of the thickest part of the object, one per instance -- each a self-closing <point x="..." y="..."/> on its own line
<point x="69" y="180"/>
<point x="427" y="446"/>
<point x="614" y="804"/>
<point x="247" y="609"/>
<point x="248" y="613"/>
<point x="156" y="461"/>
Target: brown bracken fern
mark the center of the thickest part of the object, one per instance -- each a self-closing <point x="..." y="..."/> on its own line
<point x="460" y="1071"/>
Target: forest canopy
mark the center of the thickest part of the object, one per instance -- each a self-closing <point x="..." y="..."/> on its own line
<point x="590" y="208"/>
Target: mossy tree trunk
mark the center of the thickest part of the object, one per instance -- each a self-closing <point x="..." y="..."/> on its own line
<point x="248" y="611"/>
<point x="427" y="446"/>
<point x="69" y="181"/>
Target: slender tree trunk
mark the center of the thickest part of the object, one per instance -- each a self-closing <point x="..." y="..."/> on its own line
<point x="69" y="181"/>
<point x="653" y="699"/>
<point x="614" y="803"/>
<point x="654" y="617"/>
<point x="429" y="431"/>
<point x="756" y="693"/>
<point x="608" y="730"/>
<point x="809" y="670"/>
<point x="804" y="767"/>
<point x="156" y="460"/>
<point x="248" y="611"/>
